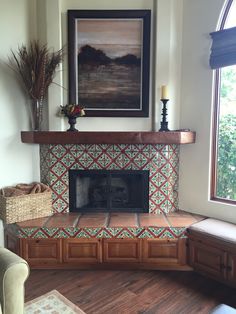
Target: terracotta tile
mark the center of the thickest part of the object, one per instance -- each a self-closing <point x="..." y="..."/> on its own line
<point x="95" y="220"/>
<point x="123" y="220"/>
<point x="180" y="221"/>
<point x="62" y="220"/>
<point x="38" y="222"/>
<point x="152" y="220"/>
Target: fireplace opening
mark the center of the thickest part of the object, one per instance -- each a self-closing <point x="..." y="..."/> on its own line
<point x="109" y="190"/>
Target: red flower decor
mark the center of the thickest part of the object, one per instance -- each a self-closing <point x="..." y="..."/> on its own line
<point x="72" y="110"/>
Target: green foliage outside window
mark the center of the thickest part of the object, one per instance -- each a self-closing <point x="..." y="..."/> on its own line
<point x="226" y="159"/>
<point x="226" y="167"/>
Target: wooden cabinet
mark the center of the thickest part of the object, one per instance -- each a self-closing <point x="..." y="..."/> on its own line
<point x="122" y="250"/>
<point x="82" y="251"/>
<point x="41" y="251"/>
<point x="231" y="268"/>
<point x="207" y="259"/>
<point x="165" y="252"/>
<point x="213" y="257"/>
<point x="95" y="253"/>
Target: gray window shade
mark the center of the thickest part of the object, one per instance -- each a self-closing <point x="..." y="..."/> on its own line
<point x="223" y="49"/>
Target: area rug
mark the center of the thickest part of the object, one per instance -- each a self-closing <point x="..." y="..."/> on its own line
<point x="52" y="303"/>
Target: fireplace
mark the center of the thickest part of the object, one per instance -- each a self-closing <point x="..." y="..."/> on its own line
<point x="109" y="190"/>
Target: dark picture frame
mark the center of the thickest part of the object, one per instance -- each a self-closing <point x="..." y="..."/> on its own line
<point x="109" y="61"/>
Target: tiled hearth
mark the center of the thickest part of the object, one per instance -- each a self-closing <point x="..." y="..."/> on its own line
<point x="104" y="225"/>
<point x="161" y="160"/>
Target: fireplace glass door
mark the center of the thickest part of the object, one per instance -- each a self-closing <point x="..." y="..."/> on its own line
<point x="108" y="190"/>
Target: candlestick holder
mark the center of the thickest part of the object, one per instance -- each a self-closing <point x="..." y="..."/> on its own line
<point x="164" y="122"/>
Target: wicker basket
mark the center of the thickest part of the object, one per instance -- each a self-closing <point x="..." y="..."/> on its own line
<point x="25" y="207"/>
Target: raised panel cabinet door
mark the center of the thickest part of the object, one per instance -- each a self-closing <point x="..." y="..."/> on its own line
<point x="231" y="269"/>
<point x="207" y="259"/>
<point x="122" y="250"/>
<point x="165" y="252"/>
<point x="41" y="251"/>
<point x="82" y="251"/>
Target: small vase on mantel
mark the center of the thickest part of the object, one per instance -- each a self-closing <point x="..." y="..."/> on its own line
<point x="72" y="123"/>
<point x="36" y="108"/>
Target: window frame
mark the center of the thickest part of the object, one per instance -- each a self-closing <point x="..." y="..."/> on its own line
<point x="215" y="119"/>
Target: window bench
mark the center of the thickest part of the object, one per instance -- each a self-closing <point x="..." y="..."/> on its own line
<point x="212" y="249"/>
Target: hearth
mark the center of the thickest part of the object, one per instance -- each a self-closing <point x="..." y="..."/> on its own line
<point x="109" y="190"/>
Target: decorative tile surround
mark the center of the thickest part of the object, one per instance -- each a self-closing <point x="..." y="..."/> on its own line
<point x="161" y="160"/>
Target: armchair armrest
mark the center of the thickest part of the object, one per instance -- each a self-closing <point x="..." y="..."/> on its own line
<point x="13" y="272"/>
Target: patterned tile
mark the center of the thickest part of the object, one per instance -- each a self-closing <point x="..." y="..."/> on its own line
<point x="160" y="160"/>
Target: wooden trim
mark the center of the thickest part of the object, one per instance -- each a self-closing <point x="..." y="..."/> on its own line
<point x="47" y="137"/>
<point x="215" y="120"/>
<point x="215" y="135"/>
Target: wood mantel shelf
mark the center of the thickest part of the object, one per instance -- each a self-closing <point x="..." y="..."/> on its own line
<point x="49" y="137"/>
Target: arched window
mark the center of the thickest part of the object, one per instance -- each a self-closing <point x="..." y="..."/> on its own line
<point x="223" y="178"/>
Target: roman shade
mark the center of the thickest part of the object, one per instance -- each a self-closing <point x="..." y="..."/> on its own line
<point x="223" y="49"/>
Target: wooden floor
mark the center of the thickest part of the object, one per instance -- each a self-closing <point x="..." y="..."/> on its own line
<point x="131" y="292"/>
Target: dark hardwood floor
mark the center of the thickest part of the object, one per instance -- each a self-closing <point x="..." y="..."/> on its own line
<point x="131" y="292"/>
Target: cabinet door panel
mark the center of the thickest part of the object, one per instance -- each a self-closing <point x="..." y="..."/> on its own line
<point x="42" y="251"/>
<point x="82" y="250"/>
<point x="208" y="259"/>
<point x="164" y="251"/>
<point x="122" y="250"/>
<point x="231" y="269"/>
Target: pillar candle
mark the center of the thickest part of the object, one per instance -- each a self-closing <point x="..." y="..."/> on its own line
<point x="164" y="92"/>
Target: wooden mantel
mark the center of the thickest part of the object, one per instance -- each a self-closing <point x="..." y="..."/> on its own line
<point x="48" y="137"/>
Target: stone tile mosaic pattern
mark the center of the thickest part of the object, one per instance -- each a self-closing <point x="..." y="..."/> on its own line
<point x="161" y="160"/>
<point x="104" y="225"/>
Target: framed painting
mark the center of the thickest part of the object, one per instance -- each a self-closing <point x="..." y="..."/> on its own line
<point x="109" y="61"/>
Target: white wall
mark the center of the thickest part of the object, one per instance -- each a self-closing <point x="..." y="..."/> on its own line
<point x="165" y="60"/>
<point x="200" y="18"/>
<point x="18" y="162"/>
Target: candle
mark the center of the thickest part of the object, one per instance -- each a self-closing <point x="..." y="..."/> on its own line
<point x="164" y="92"/>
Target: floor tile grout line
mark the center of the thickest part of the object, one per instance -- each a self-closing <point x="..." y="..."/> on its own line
<point x="137" y="220"/>
<point x="107" y="221"/>
<point x="167" y="220"/>
<point x="76" y="223"/>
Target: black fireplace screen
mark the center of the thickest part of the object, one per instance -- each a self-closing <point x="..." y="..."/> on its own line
<point x="108" y="190"/>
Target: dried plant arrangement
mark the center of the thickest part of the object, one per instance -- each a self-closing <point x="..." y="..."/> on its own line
<point x="36" y="67"/>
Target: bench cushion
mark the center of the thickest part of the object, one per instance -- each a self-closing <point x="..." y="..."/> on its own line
<point x="216" y="228"/>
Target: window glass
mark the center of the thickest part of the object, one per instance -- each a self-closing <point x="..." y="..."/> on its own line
<point x="225" y="128"/>
<point x="226" y="159"/>
<point x="231" y="17"/>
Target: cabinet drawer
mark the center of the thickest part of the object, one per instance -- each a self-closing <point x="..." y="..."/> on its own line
<point x="41" y="251"/>
<point x="82" y="251"/>
<point x="119" y="250"/>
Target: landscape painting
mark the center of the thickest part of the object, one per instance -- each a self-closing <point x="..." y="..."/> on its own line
<point x="109" y="55"/>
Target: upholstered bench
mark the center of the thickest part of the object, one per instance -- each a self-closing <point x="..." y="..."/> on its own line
<point x="212" y="249"/>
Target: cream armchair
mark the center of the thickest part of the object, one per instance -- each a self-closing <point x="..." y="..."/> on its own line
<point x="13" y="273"/>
